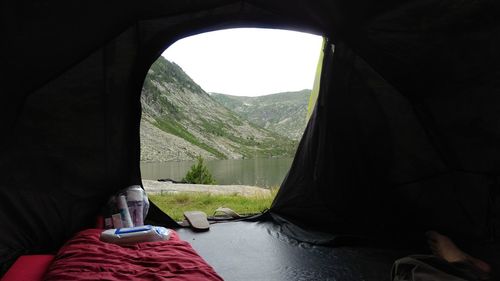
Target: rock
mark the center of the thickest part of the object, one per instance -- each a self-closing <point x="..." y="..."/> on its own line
<point x="156" y="187"/>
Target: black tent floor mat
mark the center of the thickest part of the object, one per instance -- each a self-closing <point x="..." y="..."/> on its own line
<point x="241" y="251"/>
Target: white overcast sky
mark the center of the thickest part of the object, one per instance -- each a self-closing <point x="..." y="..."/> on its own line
<point x="248" y="61"/>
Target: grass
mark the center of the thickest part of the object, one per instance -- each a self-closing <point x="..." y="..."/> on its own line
<point x="175" y="204"/>
<point x="177" y="129"/>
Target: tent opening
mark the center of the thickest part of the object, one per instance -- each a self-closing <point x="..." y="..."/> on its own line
<point x="234" y="102"/>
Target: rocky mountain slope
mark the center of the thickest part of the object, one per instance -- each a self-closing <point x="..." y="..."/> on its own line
<point x="180" y="121"/>
<point x="283" y="113"/>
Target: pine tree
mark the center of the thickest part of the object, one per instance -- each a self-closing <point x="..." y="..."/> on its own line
<point x="199" y="173"/>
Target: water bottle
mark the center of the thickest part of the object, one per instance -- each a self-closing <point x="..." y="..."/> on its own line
<point x="135" y="202"/>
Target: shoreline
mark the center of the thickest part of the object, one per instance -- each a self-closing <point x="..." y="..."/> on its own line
<point x="160" y="188"/>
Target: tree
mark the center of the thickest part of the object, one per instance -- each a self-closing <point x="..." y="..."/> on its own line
<point x="199" y="173"/>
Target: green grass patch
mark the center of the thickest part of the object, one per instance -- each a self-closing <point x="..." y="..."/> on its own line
<point x="177" y="129"/>
<point x="215" y="128"/>
<point x="176" y="203"/>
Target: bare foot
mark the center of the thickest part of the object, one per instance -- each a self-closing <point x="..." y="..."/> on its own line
<point x="443" y="247"/>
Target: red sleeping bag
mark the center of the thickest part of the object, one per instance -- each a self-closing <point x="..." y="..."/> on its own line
<point x="85" y="257"/>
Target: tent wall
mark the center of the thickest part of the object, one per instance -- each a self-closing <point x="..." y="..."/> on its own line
<point x="405" y="137"/>
<point x="367" y="165"/>
<point x="70" y="149"/>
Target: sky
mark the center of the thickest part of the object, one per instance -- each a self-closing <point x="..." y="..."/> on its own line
<point x="248" y="61"/>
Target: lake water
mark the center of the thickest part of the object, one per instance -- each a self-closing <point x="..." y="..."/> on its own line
<point x="264" y="172"/>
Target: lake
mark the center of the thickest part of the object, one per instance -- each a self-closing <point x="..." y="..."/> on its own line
<point x="263" y="172"/>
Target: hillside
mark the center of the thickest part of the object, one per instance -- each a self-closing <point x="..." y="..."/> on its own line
<point x="283" y="113"/>
<point x="180" y="121"/>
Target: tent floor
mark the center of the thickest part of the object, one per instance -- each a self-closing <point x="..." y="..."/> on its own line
<point x="243" y="251"/>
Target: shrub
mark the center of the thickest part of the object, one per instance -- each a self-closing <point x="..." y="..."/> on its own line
<point x="199" y="173"/>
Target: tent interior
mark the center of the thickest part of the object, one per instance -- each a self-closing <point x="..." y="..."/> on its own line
<point x="404" y="137"/>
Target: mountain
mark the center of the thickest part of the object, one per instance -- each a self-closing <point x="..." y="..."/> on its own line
<point x="283" y="113"/>
<point x="180" y="121"/>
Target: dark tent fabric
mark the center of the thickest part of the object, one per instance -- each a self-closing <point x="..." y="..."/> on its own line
<point x="363" y="179"/>
<point x="404" y="136"/>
